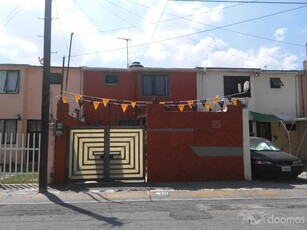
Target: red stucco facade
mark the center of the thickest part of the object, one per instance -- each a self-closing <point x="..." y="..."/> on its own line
<point x="169" y="141"/>
<point x="181" y="86"/>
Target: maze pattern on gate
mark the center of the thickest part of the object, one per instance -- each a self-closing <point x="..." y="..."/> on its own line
<point x="86" y="154"/>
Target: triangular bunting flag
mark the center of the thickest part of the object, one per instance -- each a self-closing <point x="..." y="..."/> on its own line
<point x="64" y="99"/>
<point x="167" y="107"/>
<point x="96" y="104"/>
<point x="203" y="102"/>
<point x="194" y="106"/>
<point x="181" y="107"/>
<point x="133" y="104"/>
<point x="221" y="103"/>
<point x="216" y="100"/>
<point x="80" y="102"/>
<point x="208" y="105"/>
<point x="190" y="103"/>
<point x="234" y="101"/>
<point x="77" y="97"/>
<point x="124" y="107"/>
<point x="139" y="108"/>
<point x="105" y="102"/>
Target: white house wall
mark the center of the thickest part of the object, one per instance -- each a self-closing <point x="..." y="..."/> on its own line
<point x="211" y="83"/>
<point x="282" y="100"/>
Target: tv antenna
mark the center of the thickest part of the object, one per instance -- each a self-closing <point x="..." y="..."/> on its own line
<point x="127" y="47"/>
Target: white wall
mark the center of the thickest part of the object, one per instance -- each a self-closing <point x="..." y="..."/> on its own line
<point x="276" y="101"/>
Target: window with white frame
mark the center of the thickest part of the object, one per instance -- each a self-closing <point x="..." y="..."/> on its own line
<point x="8" y="130"/>
<point x="155" y="85"/>
<point x="9" y="81"/>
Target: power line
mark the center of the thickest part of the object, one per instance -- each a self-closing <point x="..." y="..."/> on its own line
<point x="175" y="17"/>
<point x="199" y="32"/>
<point x="86" y="15"/>
<point x="11" y="15"/>
<point x="62" y="31"/>
<point x="247" y="2"/>
<point x="151" y="23"/>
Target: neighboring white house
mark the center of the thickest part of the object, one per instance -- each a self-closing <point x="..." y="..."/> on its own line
<point x="272" y="94"/>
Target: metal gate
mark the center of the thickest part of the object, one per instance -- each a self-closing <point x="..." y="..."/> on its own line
<point x="106" y="153"/>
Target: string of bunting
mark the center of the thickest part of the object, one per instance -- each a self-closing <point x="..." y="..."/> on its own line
<point x="192" y="104"/>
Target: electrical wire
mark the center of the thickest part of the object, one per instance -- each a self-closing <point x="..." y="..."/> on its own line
<point x="12" y="14"/>
<point x="62" y="31"/>
<point x="151" y="23"/>
<point x="90" y="19"/>
<point x="153" y="34"/>
<point x="199" y="32"/>
<point x="247" y="2"/>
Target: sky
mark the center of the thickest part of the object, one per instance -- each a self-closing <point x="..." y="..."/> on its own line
<point x="268" y="34"/>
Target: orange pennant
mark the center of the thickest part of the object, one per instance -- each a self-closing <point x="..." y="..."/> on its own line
<point x="133" y="104"/>
<point x="190" y="103"/>
<point x="96" y="104"/>
<point x="124" y="107"/>
<point x="64" y="99"/>
<point x="216" y="100"/>
<point x="208" y="105"/>
<point x="181" y="107"/>
<point x="105" y="102"/>
<point x="77" y="97"/>
<point x="234" y="101"/>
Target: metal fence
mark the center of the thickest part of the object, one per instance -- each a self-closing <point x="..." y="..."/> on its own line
<point x="19" y="158"/>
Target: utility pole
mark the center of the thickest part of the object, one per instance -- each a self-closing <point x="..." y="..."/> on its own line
<point x="43" y="166"/>
<point x="127" y="40"/>
<point x="69" y="54"/>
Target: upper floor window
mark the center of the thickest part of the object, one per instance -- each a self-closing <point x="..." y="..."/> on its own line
<point x="9" y="81"/>
<point x="111" y="79"/>
<point x="234" y="84"/>
<point x="155" y="85"/>
<point x="8" y="129"/>
<point x="275" y="82"/>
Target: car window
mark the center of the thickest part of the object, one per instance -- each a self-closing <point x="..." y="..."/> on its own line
<point x="262" y="145"/>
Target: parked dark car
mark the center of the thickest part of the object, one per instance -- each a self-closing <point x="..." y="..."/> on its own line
<point x="269" y="161"/>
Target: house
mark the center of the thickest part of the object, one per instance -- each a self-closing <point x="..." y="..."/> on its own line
<point x="118" y="97"/>
<point x="138" y="84"/>
<point x="273" y="99"/>
<point x="20" y="103"/>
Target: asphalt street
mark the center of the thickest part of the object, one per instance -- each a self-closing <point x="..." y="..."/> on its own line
<point x="257" y="204"/>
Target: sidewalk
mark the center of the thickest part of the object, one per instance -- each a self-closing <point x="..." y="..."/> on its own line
<point x="134" y="191"/>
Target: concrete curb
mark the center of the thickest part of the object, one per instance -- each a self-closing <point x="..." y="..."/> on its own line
<point x="111" y="195"/>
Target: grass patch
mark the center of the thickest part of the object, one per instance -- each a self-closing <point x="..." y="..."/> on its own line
<point x="20" y="179"/>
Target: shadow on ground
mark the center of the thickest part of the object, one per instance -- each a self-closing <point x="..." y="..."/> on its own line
<point x="118" y="186"/>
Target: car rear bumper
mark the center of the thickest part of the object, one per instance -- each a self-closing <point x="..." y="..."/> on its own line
<point x="277" y="170"/>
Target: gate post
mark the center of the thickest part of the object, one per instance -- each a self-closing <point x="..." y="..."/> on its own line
<point x="106" y="155"/>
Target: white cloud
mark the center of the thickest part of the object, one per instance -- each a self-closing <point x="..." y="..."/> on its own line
<point x="17" y="50"/>
<point x="270" y="58"/>
<point x="279" y="34"/>
<point x="177" y="41"/>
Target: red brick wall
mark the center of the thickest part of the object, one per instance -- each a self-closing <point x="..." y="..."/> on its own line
<point x="170" y="135"/>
